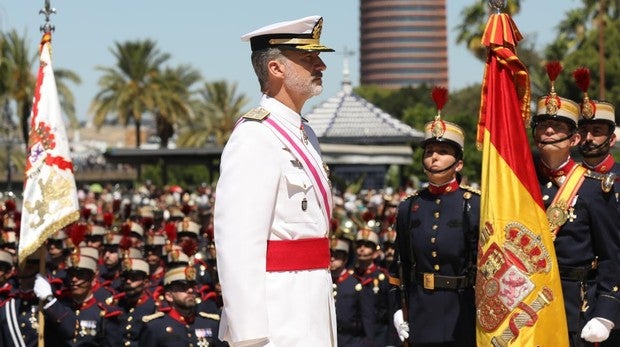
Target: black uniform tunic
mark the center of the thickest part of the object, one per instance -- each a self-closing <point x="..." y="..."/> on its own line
<point x="442" y="233"/>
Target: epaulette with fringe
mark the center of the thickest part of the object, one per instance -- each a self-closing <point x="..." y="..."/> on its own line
<point x="257" y="114"/>
<point x="414" y="194"/>
<point x="150" y="317"/>
<point x="470" y="189"/>
<point x="607" y="180"/>
<point x="213" y="316"/>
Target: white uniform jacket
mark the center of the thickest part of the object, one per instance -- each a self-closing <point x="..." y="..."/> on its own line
<point x="265" y="194"/>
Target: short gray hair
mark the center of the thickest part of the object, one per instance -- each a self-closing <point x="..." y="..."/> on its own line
<point x="259" y="62"/>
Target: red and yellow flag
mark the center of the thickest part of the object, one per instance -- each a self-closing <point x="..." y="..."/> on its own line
<point x="518" y="290"/>
<point x="50" y="194"/>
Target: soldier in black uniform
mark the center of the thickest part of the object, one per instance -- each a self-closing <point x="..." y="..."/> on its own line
<point x="584" y="219"/>
<point x="77" y="319"/>
<point x="374" y="279"/>
<point x="181" y="325"/>
<point x="436" y="245"/>
<point x="19" y="319"/>
<point x="133" y="301"/>
<point x="596" y="126"/>
<point x="354" y="309"/>
<point x="110" y="264"/>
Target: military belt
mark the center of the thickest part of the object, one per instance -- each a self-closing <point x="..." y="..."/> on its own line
<point x="433" y="281"/>
<point x="577" y="274"/>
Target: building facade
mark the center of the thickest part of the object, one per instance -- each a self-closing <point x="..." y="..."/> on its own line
<point x="403" y="43"/>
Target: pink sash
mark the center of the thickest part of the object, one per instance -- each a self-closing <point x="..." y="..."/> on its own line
<point x="320" y="181"/>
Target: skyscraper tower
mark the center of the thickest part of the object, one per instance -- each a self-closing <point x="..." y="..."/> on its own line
<point x="403" y="43"/>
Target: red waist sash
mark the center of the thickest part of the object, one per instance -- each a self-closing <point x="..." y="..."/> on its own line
<point x="294" y="255"/>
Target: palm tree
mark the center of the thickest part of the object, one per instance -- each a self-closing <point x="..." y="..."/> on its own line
<point x="579" y="23"/>
<point x="18" y="80"/>
<point x="131" y="88"/>
<point x="216" y="113"/>
<point x="174" y="100"/>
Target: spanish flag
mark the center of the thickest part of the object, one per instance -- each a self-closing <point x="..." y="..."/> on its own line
<point x="50" y="194"/>
<point x="518" y="291"/>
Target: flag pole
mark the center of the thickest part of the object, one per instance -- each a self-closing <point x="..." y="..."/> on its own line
<point x="46" y="28"/>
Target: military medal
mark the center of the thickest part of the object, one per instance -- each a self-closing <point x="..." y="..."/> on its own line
<point x="326" y="169"/>
<point x="33" y="318"/>
<point x="556" y="215"/>
<point x="304" y="136"/>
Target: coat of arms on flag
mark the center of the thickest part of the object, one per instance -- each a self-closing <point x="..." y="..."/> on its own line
<point x="503" y="281"/>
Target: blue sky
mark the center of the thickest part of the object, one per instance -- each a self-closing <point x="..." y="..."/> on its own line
<point x="206" y="34"/>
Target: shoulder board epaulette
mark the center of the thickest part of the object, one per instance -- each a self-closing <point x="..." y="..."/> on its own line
<point x="150" y="317"/>
<point x="414" y="194"/>
<point x="257" y="114"/>
<point x="112" y="314"/>
<point x="470" y="190"/>
<point x="209" y="315"/>
<point x="607" y="180"/>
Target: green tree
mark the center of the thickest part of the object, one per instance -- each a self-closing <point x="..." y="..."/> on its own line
<point x="18" y="80"/>
<point x="587" y="56"/>
<point x="474" y="19"/>
<point x="216" y="111"/>
<point x="173" y="102"/>
<point x="418" y="108"/>
<point x="132" y="87"/>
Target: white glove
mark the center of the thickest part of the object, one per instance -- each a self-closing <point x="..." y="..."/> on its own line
<point x="402" y="327"/>
<point x="42" y="288"/>
<point x="597" y="329"/>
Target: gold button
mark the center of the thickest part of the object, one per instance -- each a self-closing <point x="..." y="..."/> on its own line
<point x="168" y="329"/>
<point x="434" y="254"/>
<point x="433" y="240"/>
<point x="436" y="267"/>
<point x="436" y="214"/>
<point x="435" y="227"/>
<point x="438" y="201"/>
<point x="131" y="310"/>
<point x="127" y="343"/>
<point x="128" y="327"/>
<point x="129" y="319"/>
<point x="22" y="325"/>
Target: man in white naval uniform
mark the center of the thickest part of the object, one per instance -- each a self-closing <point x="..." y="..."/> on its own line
<point x="274" y="202"/>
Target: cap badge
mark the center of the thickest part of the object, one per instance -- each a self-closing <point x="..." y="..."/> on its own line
<point x="127" y="264"/>
<point x="438" y="128"/>
<point x="316" y="31"/>
<point x="588" y="109"/>
<point x="552" y="104"/>
<point x="190" y="273"/>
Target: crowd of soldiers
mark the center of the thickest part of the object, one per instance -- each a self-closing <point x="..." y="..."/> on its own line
<point x="139" y="269"/>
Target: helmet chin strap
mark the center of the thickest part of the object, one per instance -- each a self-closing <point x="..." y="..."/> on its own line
<point x="554" y="141"/>
<point x="440" y="170"/>
<point x="590" y="152"/>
